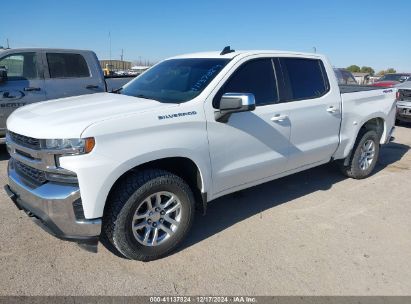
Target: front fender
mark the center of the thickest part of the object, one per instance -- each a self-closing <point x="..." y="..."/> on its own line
<point x="97" y="174"/>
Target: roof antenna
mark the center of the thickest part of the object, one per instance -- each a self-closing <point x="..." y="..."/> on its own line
<point x="227" y="50"/>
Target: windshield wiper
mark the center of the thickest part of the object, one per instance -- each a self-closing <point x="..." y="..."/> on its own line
<point x="116" y="91"/>
<point x="146" y="97"/>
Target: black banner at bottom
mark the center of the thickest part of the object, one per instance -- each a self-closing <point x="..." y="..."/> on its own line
<point x="206" y="299"/>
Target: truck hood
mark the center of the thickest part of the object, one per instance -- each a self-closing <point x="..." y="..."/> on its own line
<point x="69" y="117"/>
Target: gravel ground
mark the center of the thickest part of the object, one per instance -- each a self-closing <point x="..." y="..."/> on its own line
<point x="312" y="233"/>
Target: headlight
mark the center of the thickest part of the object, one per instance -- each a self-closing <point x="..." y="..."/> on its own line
<point x="70" y="146"/>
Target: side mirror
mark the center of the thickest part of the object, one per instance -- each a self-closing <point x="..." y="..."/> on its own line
<point x="234" y="103"/>
<point x="3" y="74"/>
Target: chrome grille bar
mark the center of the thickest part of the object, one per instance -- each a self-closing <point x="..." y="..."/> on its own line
<point x="26" y="141"/>
<point x="38" y="165"/>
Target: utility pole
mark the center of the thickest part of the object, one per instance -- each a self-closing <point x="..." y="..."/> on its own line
<point x="8" y="45"/>
<point x="121" y="57"/>
<point x="109" y="41"/>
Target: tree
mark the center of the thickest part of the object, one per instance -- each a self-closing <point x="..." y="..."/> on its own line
<point x="354" y="68"/>
<point x="368" y="70"/>
<point x="387" y="71"/>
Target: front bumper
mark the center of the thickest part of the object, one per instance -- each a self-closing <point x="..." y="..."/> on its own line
<point x="51" y="207"/>
<point x="404" y="111"/>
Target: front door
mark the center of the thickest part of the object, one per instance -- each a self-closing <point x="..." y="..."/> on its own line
<point x="24" y="85"/>
<point x="251" y="146"/>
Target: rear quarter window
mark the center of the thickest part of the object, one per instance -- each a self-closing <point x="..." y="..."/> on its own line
<point x="64" y="65"/>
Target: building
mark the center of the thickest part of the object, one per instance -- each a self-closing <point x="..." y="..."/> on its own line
<point x="115" y="65"/>
<point x="362" y="78"/>
<point x="374" y="79"/>
<point x="140" y="68"/>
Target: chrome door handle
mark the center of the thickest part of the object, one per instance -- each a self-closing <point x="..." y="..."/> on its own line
<point x="92" y="86"/>
<point x="279" y="118"/>
<point x="332" y="109"/>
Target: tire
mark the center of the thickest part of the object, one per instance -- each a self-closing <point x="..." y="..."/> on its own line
<point x="129" y="204"/>
<point x="355" y="168"/>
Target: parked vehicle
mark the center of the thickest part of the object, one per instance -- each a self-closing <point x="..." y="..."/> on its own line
<point x="33" y="75"/>
<point x="404" y="101"/>
<point x="133" y="166"/>
<point x="406" y="83"/>
<point x="133" y="73"/>
<point x="345" y="77"/>
<point x="390" y="80"/>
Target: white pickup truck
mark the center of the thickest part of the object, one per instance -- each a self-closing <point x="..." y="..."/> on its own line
<point x="133" y="166"/>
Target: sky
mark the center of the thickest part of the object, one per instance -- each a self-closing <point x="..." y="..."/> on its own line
<point x="362" y="32"/>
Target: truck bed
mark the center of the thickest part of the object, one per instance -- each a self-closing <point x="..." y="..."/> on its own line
<point x="346" y="88"/>
<point x="360" y="104"/>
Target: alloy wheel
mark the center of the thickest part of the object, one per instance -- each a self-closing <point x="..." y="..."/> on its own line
<point x="156" y="218"/>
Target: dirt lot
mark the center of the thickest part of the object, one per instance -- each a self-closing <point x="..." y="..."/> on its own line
<point x="313" y="233"/>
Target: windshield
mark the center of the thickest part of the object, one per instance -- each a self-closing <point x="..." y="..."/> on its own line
<point x="393" y="77"/>
<point x="175" y="80"/>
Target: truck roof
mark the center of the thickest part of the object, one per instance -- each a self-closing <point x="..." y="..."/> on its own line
<point x="217" y="54"/>
<point x="16" y="50"/>
<point x="213" y="54"/>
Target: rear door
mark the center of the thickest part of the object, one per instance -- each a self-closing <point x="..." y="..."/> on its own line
<point x="25" y="83"/>
<point x="71" y="74"/>
<point x="314" y="111"/>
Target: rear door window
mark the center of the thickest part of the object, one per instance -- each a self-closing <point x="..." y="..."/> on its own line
<point x="64" y="65"/>
<point x="306" y="78"/>
<point x="255" y="76"/>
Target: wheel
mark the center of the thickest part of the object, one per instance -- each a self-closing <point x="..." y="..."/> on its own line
<point x="148" y="214"/>
<point x="364" y="157"/>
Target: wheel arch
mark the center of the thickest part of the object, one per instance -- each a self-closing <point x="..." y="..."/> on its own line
<point x="377" y="124"/>
<point x="182" y="166"/>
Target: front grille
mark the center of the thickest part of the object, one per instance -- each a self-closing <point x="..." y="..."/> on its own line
<point x="405" y="95"/>
<point x="33" y="174"/>
<point x="25" y="141"/>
